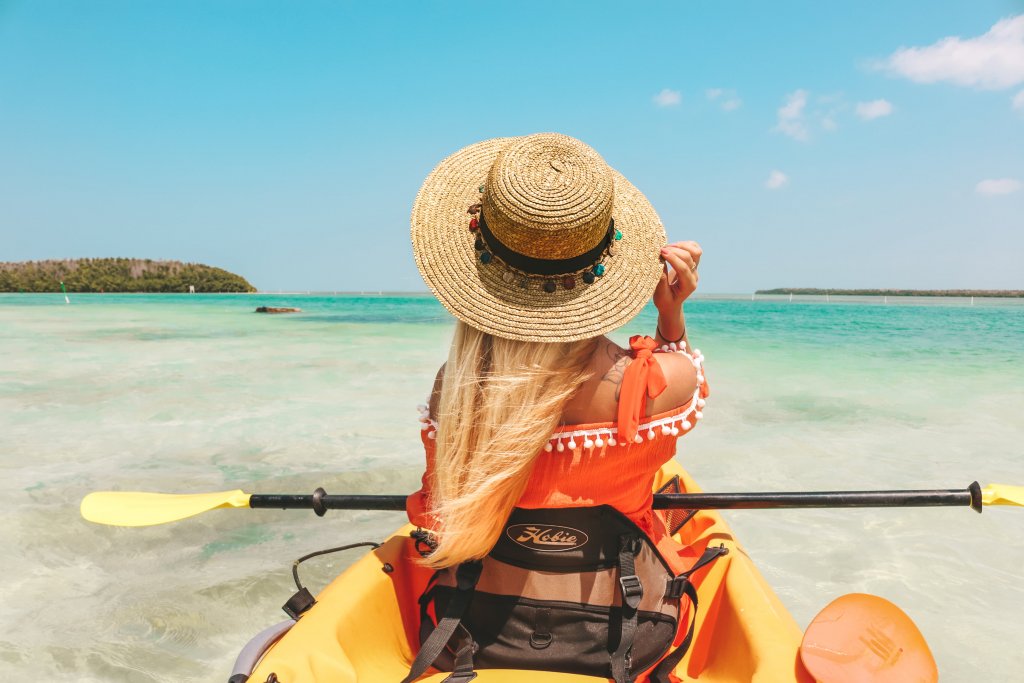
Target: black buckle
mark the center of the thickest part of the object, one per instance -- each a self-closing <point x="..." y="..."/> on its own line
<point x="299" y="603"/>
<point x="676" y="587"/>
<point x="632" y="590"/>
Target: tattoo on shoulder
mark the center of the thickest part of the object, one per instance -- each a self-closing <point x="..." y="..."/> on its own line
<point x="616" y="371"/>
<point x="615" y="352"/>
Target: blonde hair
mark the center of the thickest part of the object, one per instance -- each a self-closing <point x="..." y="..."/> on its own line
<point x="501" y="399"/>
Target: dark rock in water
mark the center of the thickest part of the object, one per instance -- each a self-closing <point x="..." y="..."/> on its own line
<point x="277" y="309"/>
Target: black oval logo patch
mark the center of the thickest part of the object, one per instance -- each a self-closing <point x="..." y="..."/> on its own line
<point x="546" y="538"/>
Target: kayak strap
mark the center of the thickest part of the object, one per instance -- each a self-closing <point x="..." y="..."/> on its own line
<point x="467" y="575"/>
<point x="677" y="588"/>
<point x="463" y="671"/>
<point x="303" y="600"/>
<point x="632" y="593"/>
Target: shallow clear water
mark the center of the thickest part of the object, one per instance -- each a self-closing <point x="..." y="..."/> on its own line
<point x="179" y="393"/>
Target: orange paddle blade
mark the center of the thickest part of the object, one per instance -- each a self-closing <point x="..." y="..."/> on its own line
<point x="860" y="638"/>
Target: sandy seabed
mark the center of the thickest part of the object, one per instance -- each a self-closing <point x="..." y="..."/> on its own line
<point x="181" y="394"/>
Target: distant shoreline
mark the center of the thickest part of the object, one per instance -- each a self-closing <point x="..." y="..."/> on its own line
<point x="807" y="291"/>
<point x="907" y="296"/>
<point x="118" y="276"/>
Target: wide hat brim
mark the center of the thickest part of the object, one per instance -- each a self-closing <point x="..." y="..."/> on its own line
<point x="477" y="294"/>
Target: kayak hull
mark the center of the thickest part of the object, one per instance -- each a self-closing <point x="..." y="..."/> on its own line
<point x="358" y="632"/>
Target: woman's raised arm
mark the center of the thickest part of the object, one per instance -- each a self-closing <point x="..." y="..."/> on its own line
<point x="678" y="282"/>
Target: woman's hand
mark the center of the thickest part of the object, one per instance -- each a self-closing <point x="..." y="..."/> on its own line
<point x="679" y="282"/>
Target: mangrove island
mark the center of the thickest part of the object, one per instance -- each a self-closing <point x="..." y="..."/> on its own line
<point x="119" y="275"/>
<point x="808" y="291"/>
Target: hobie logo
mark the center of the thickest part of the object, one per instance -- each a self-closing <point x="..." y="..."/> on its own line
<point x="546" y="539"/>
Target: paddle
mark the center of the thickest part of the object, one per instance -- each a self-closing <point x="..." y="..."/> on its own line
<point x="145" y="509"/>
<point x="860" y="637"/>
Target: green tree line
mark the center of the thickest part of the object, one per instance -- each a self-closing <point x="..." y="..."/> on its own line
<point x="118" y="275"/>
<point x="1002" y="293"/>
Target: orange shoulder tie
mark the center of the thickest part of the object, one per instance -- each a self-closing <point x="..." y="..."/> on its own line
<point x="643" y="378"/>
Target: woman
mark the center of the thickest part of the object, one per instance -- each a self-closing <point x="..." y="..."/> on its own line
<point x="542" y="435"/>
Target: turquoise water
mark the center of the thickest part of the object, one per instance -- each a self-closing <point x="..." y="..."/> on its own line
<point x="180" y="393"/>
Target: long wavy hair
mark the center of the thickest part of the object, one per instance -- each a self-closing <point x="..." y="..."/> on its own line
<point x="500" y="401"/>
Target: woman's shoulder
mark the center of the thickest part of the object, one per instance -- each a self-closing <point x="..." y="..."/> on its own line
<point x="598" y="398"/>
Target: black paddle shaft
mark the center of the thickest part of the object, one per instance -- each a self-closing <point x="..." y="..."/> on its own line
<point x="970" y="496"/>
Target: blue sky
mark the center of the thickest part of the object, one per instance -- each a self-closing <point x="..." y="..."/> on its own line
<point x="287" y="140"/>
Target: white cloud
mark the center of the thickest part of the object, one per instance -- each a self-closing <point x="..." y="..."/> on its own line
<point x="998" y="186"/>
<point x="791" y="116"/>
<point x="776" y="180"/>
<point x="802" y="116"/>
<point x="874" y="109"/>
<point x="726" y="99"/>
<point x="991" y="61"/>
<point x="1018" y="101"/>
<point x="668" y="98"/>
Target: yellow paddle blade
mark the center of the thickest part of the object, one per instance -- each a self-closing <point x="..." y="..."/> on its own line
<point x="128" y="508"/>
<point x="1002" y="494"/>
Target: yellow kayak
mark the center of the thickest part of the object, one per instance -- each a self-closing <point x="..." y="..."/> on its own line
<point x="356" y="632"/>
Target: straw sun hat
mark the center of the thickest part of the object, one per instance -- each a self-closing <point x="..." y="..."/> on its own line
<point x="536" y="238"/>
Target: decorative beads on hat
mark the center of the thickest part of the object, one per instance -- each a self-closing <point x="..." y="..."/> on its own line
<point x="586" y="275"/>
<point x="474" y="211"/>
<point x="671" y="426"/>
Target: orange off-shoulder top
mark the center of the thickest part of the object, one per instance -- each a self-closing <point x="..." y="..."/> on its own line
<point x="605" y="463"/>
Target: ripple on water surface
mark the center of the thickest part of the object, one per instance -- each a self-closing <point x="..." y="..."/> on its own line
<point x="201" y="394"/>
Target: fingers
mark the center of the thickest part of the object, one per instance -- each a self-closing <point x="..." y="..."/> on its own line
<point x="679" y="258"/>
<point x="692" y="248"/>
<point x="687" y="282"/>
<point x="685" y="269"/>
<point x="664" y="285"/>
<point x="679" y="277"/>
<point x="668" y="274"/>
<point x="695" y="251"/>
